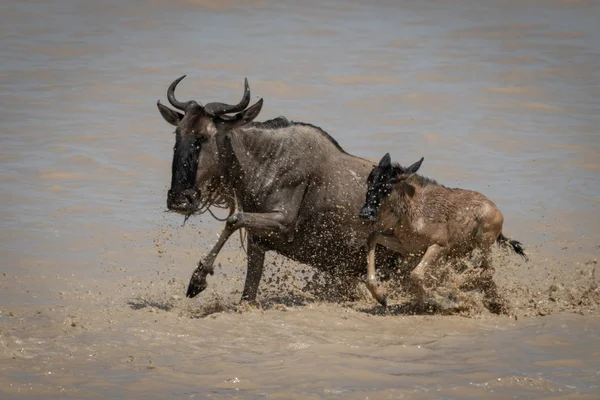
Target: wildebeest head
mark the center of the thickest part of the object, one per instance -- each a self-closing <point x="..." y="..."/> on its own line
<point x="380" y="182"/>
<point x="195" y="156"/>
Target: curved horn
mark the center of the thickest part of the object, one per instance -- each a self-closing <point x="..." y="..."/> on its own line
<point x="217" y="109"/>
<point x="171" y="95"/>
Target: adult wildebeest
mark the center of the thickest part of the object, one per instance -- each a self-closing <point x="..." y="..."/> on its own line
<point x="289" y="184"/>
<point x="415" y="215"/>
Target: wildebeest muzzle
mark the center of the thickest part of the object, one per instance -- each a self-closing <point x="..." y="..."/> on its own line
<point x="368" y="213"/>
<point x="183" y="202"/>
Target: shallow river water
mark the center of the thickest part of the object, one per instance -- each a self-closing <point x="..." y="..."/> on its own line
<point x="502" y="97"/>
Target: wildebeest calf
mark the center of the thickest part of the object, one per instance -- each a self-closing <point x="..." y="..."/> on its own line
<point x="415" y="215"/>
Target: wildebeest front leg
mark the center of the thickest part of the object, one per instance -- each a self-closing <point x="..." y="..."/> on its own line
<point x="265" y="225"/>
<point x="279" y="217"/>
<point x="256" y="261"/>
<point x="198" y="280"/>
<point x="417" y="275"/>
<point x="391" y="243"/>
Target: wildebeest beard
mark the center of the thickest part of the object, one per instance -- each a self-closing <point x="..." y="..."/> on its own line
<point x="211" y="194"/>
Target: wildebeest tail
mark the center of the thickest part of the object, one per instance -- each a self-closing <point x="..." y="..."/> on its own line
<point x="515" y="245"/>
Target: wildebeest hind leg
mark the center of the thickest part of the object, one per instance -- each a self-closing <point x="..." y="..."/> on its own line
<point x="256" y="261"/>
<point x="494" y="301"/>
<point x="198" y="280"/>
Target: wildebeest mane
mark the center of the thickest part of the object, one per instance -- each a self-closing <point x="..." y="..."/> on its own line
<point x="325" y="134"/>
<point x="417" y="179"/>
<point x="283" y="122"/>
<point x="275" y="123"/>
<point x="422" y="180"/>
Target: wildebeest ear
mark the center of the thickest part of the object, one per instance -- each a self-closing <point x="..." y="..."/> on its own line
<point x="244" y="117"/>
<point x="252" y="112"/>
<point x="386" y="161"/>
<point x="171" y="116"/>
<point x="415" y="167"/>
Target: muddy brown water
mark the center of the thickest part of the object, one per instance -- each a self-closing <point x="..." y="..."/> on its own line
<point x="500" y="97"/>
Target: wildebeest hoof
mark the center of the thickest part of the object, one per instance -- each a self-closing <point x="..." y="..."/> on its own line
<point x="195" y="287"/>
<point x="383" y="302"/>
